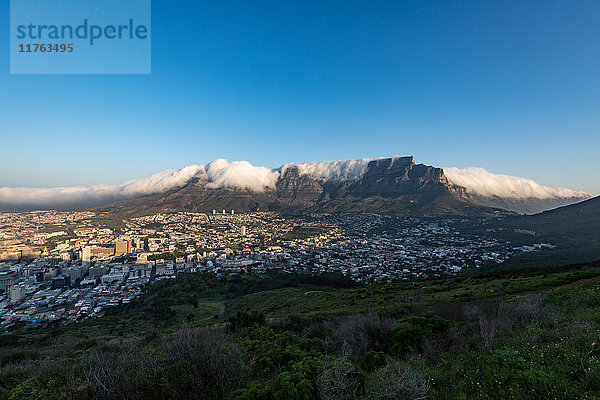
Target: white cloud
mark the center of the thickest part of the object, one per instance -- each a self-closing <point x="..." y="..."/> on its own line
<point x="98" y="194"/>
<point x="220" y="174"/>
<point x="336" y="171"/>
<point x="481" y="182"/>
<point x="241" y="174"/>
<point x="160" y="182"/>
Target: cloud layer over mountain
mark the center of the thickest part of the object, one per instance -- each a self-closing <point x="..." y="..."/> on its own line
<point x="242" y="174"/>
<point x="333" y="171"/>
<point x="481" y="182"/>
<point x="81" y="196"/>
<point x="219" y="173"/>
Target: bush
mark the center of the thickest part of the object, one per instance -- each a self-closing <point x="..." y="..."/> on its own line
<point x="397" y="381"/>
<point x="357" y="334"/>
<point x="243" y="319"/>
<point x="339" y="379"/>
<point x="411" y="333"/>
<point x="373" y="360"/>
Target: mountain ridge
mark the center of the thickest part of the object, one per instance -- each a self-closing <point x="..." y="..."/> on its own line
<point x="394" y="186"/>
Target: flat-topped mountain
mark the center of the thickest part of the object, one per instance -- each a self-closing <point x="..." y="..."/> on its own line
<point x="392" y="177"/>
<point x="394" y="186"/>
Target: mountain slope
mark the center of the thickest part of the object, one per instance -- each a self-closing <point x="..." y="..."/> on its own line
<point x="583" y="217"/>
<point x="529" y="206"/>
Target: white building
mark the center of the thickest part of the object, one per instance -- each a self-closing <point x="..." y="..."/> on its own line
<point x="88" y="281"/>
<point x="17" y="292"/>
<point x="110" y="278"/>
<point x="87" y="256"/>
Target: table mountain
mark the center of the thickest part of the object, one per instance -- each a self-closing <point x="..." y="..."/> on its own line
<point x="394" y="186"/>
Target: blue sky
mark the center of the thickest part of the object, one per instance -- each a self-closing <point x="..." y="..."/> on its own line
<point x="510" y="86"/>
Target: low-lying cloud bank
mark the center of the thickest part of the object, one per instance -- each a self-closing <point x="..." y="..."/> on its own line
<point x="334" y="171"/>
<point x="84" y="196"/>
<point x="481" y="182"/>
<point x="242" y="174"/>
<point x="219" y="174"/>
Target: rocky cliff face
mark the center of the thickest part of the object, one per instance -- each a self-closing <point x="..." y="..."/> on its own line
<point x="398" y="176"/>
<point x="296" y="190"/>
<point x="390" y="177"/>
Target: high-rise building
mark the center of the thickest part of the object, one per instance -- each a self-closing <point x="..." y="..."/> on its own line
<point x="243" y="231"/>
<point x="87" y="256"/>
<point x="93" y="251"/>
<point x="17" y="292"/>
<point x="122" y="247"/>
<point x="6" y="279"/>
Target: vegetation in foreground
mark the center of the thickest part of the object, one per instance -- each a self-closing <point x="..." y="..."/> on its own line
<point x="519" y="334"/>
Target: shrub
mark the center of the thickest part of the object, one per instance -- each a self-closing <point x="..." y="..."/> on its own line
<point x="339" y="379"/>
<point x="373" y="360"/>
<point x="397" y="381"/>
<point x="411" y="333"/>
<point x="357" y="334"/>
<point x="243" y="319"/>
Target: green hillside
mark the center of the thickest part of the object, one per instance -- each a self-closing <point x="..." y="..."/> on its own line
<point x="509" y="335"/>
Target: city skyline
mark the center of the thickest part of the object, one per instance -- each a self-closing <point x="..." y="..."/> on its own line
<point x="511" y="88"/>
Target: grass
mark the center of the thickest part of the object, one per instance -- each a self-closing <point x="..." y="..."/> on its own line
<point x="504" y="335"/>
<point x="312" y="300"/>
<point x="201" y="314"/>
